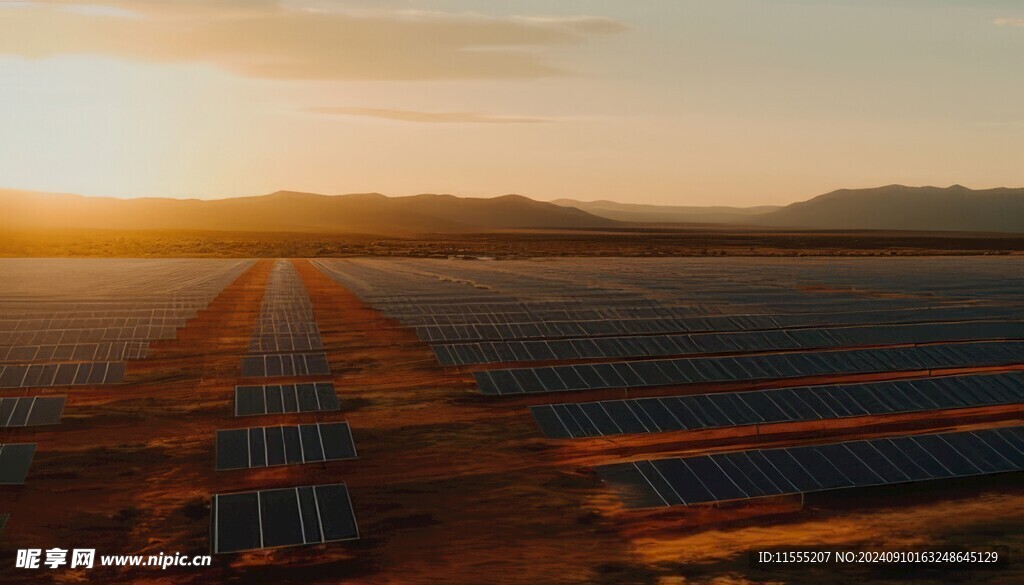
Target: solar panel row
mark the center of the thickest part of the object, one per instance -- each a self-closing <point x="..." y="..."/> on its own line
<point x="31" y="411"/>
<point x="58" y="315"/>
<point x="64" y="374"/>
<point x="15" y="459"/>
<point x="282" y="517"/>
<point x="664" y="319"/>
<point x="83" y="322"/>
<point x="582" y="314"/>
<point x="769" y="472"/>
<point x="82" y="352"/>
<point x="288" y="364"/>
<point x="445" y="307"/>
<point x="639" y="374"/>
<point x="286" y="342"/>
<point x="308" y="397"/>
<point x="709" y="324"/>
<point x="72" y="336"/>
<point x="720" y="343"/>
<point x="283" y="445"/>
<point x="140" y="306"/>
<point x="727" y="409"/>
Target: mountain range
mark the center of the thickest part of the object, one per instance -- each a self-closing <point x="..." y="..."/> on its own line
<point x="893" y="207"/>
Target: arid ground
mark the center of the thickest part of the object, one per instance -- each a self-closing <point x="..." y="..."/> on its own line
<point x="450" y="486"/>
<point x="693" y="241"/>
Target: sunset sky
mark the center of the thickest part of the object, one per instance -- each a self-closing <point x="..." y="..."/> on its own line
<point x="727" y="102"/>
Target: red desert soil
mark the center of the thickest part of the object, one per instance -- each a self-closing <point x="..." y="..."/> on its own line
<point x="450" y="486"/>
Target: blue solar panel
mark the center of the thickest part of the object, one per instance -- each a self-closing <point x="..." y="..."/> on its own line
<point x="804" y="404"/>
<point x="812" y="468"/>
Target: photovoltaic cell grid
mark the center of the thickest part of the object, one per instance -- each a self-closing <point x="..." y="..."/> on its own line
<point x="284" y="445"/>
<point x="31" y="411"/>
<point x="638" y="374"/>
<point x="724" y="343"/>
<point x="282" y="517"/>
<point x="309" y="397"/>
<point x="670" y="319"/>
<point x="15" y="459"/>
<point x="286" y="325"/>
<point x="556" y="329"/>
<point x="286" y="320"/>
<point x="100" y="313"/>
<point x="769" y="472"/>
<point x="17" y="343"/>
<point x="728" y="409"/>
<point x="418" y="291"/>
<point x="86" y="352"/>
<point x="286" y="364"/>
<point x="66" y="374"/>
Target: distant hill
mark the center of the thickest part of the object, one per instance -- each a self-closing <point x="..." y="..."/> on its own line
<point x="897" y="207"/>
<point x="284" y="211"/>
<point x="894" y="207"/>
<point x="633" y="212"/>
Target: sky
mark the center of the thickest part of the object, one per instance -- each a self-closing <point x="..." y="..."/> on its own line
<point x="684" y="102"/>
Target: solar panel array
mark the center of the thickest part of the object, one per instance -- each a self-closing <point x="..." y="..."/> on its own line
<point x="630" y="324"/>
<point x="15" y="460"/>
<point x="31" y="411"/>
<point x="284" y="445"/>
<point x="285" y="342"/>
<point x="76" y="322"/>
<point x="759" y="473"/>
<point x="731" y="409"/>
<point x="282" y="517"/>
<point x="272" y="399"/>
<point x="285" y="337"/>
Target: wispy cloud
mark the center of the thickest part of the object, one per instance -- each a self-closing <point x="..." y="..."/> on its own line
<point x="427" y="117"/>
<point x="267" y="40"/>
<point x="1009" y="22"/>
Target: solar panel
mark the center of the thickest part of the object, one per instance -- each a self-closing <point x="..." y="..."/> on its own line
<point x="304" y="397"/>
<point x="282" y="517"/>
<point x="285" y="365"/>
<point x="31" y="411"/>
<point x="790" y="470"/>
<point x="743" y="342"/>
<point x="723" y="409"/>
<point x="15" y="459"/>
<point x="271" y="446"/>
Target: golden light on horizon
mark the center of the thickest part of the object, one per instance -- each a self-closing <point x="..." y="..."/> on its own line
<point x="685" y="104"/>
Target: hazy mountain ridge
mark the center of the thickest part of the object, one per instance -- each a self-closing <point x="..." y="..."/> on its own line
<point x="645" y="213"/>
<point x="898" y="207"/>
<point x="893" y="207"/>
<point x="284" y="211"/>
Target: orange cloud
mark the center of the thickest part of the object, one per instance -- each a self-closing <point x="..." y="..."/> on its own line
<point x="263" y="40"/>
<point x="426" y="117"/>
<point x="1009" y="22"/>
